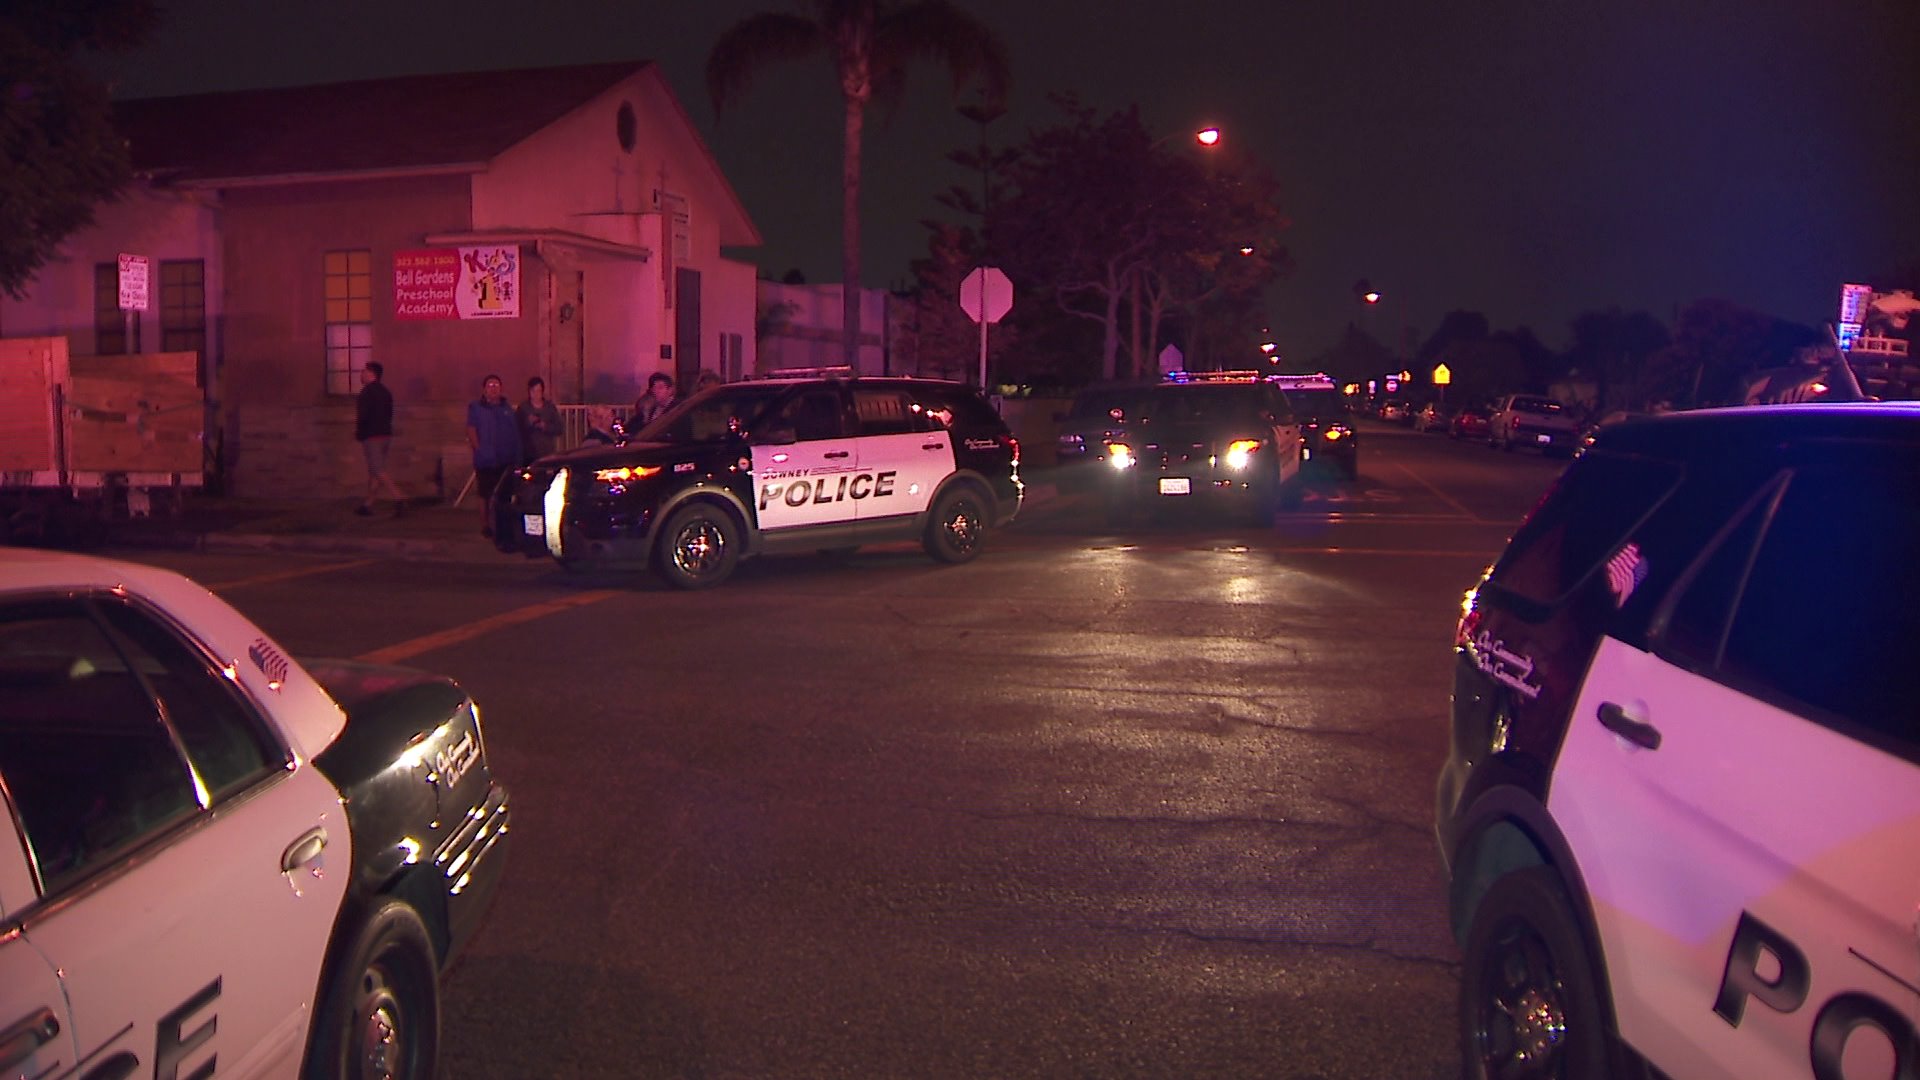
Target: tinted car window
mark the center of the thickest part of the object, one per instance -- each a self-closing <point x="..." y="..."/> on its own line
<point x="227" y="742"/>
<point x="1193" y="404"/>
<point x="89" y="766"/>
<point x="1593" y="507"/>
<point x="886" y="411"/>
<point x="1827" y="615"/>
<point x="960" y="409"/>
<point x="1315" y="404"/>
<point x="814" y="413"/>
<point x="1537" y="405"/>
<point x="707" y="417"/>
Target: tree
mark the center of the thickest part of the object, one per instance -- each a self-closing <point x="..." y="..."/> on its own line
<point x="1099" y="219"/>
<point x="59" y="152"/>
<point x="1716" y="345"/>
<point x="870" y="43"/>
<point x="1612" y="346"/>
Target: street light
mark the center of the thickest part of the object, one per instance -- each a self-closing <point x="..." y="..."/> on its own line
<point x="1207" y="136"/>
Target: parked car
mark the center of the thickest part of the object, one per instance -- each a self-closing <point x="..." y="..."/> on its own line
<point x="1531" y="420"/>
<point x="1433" y="416"/>
<point x="823" y="463"/>
<point x="1227" y="440"/>
<point x="1681" y="802"/>
<point x="1318" y="405"/>
<point x="1395" y="411"/>
<point x="211" y="851"/>
<point x="1471" y="422"/>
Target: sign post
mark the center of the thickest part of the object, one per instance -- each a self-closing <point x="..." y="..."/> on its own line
<point x="986" y="296"/>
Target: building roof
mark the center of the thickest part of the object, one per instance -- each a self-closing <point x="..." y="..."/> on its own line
<point x="415" y="122"/>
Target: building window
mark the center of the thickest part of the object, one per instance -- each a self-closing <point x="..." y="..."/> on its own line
<point x="109" y="322"/>
<point x="183" y="310"/>
<point x="349" y="295"/>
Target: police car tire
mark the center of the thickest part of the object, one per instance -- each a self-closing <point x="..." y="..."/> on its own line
<point x="957" y="527"/>
<point x="1525" y="948"/>
<point x="713" y="530"/>
<point x="386" y="980"/>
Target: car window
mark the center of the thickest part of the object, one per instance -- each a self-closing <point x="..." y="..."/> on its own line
<point x="1541" y="406"/>
<point x="227" y="742"/>
<point x="1315" y="404"/>
<point x="1596" y="503"/>
<point x="1099" y="405"/>
<point x="89" y="766"/>
<point x="1204" y="404"/>
<point x="960" y="409"/>
<point x="814" y="413"/>
<point x="886" y="411"/>
<point x="1827" y="614"/>
<point x="710" y="416"/>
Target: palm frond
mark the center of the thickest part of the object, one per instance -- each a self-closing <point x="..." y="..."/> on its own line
<point x="938" y="30"/>
<point x="755" y="43"/>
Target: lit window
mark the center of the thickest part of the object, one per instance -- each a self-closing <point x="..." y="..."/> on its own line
<point x="349" y="314"/>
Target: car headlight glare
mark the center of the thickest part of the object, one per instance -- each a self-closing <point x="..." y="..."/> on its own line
<point x="1120" y="455"/>
<point x="625" y="474"/>
<point x="1240" y="452"/>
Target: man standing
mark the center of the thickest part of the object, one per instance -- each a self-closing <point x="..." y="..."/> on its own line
<point x="373" y="427"/>
<point x="494" y="435"/>
<point x="658" y="399"/>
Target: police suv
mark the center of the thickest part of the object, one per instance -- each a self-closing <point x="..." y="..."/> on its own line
<point x="215" y="860"/>
<point x="1681" y="811"/>
<point x="824" y="463"/>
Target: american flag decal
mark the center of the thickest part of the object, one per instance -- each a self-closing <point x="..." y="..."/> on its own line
<point x="271" y="662"/>
<point x="1625" y="571"/>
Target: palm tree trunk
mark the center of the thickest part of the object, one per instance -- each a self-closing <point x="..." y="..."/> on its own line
<point x="850" y="235"/>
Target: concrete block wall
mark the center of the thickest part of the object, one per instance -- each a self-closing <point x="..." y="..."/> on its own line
<point x="308" y="451"/>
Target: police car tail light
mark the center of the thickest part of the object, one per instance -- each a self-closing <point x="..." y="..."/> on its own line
<point x="1012" y="444"/>
<point x="1120" y="455"/>
<point x="625" y="473"/>
<point x="1240" y="452"/>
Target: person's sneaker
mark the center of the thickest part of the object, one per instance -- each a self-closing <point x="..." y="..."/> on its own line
<point x="363" y="510"/>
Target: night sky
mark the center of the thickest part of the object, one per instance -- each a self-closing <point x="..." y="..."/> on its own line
<point x="1529" y="159"/>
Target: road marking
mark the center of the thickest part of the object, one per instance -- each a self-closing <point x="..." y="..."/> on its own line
<point x="289" y="575"/>
<point x="1444" y="497"/>
<point x="406" y="650"/>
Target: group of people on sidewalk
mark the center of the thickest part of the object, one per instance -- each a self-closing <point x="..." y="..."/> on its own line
<point x="500" y="436"/>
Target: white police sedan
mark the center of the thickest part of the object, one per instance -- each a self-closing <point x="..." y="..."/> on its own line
<point x="215" y="860"/>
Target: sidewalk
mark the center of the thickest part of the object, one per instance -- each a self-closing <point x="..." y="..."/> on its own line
<point x="428" y="531"/>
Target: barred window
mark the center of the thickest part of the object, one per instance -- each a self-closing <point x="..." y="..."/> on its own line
<point x="183" y="310"/>
<point x="349" y="314"/>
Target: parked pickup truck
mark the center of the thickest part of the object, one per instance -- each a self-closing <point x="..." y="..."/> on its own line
<point x="1535" y="421"/>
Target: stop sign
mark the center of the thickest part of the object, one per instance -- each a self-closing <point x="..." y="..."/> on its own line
<point x="986" y="291"/>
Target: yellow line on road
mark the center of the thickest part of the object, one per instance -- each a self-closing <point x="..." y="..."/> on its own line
<point x="406" y="650"/>
<point x="1444" y="497"/>
<point x="289" y="575"/>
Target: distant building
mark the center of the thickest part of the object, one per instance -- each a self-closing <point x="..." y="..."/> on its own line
<point x="800" y="327"/>
<point x="563" y="222"/>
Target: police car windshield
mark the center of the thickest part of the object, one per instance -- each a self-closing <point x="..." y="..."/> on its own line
<point x="706" y="417"/>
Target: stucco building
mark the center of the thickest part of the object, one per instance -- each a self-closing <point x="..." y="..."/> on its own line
<point x="562" y="222"/>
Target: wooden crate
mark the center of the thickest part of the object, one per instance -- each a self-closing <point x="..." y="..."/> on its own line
<point x="29" y="370"/>
<point x="139" y="413"/>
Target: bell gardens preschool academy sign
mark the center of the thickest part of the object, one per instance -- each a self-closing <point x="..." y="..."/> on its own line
<point x="457" y="283"/>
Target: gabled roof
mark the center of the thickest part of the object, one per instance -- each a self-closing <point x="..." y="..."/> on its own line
<point x="416" y="122"/>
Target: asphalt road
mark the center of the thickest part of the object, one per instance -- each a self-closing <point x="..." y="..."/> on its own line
<point x="1153" y="802"/>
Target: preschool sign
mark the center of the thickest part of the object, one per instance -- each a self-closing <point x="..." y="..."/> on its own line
<point x="457" y="283"/>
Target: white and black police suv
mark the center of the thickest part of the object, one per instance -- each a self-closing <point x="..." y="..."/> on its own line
<point x="1681" y="812"/>
<point x="215" y="860"/>
<point x="807" y="464"/>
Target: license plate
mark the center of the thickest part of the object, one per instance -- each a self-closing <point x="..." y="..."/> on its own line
<point x="533" y="524"/>
<point x="1175" y="485"/>
<point x="1543" y="438"/>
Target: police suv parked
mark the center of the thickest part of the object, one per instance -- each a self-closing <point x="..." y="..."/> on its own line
<point x="824" y="463"/>
<point x="1681" y="811"/>
<point x="215" y="860"/>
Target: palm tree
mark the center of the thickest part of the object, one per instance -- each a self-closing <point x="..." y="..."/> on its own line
<point x="870" y="43"/>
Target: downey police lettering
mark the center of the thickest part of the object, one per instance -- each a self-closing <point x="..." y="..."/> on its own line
<point x="820" y="490"/>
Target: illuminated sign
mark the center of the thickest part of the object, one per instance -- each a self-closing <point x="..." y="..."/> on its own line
<point x="457" y="283"/>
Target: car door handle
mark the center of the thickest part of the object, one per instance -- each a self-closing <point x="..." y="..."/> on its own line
<point x="835" y="454"/>
<point x="18" y="1042"/>
<point x="933" y="446"/>
<point x="304" y="852"/>
<point x="1634" y="731"/>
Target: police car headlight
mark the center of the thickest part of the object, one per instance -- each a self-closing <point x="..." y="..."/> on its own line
<point x="1336" y="433"/>
<point x="1120" y="455"/>
<point x="1240" y="452"/>
<point x="615" y="481"/>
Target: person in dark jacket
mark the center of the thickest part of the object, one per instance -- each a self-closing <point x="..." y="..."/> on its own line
<point x="494" y="436"/>
<point x="539" y="421"/>
<point x="373" y="428"/>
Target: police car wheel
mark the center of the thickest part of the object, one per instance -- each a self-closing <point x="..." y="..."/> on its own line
<point x="957" y="528"/>
<point x="381" y="1015"/>
<point x="1530" y="1006"/>
<point x="699" y="547"/>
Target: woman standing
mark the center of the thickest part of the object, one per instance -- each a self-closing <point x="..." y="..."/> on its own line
<point x="539" y="421"/>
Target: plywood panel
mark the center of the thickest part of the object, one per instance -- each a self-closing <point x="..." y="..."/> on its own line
<point x="29" y="368"/>
<point x="137" y="413"/>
